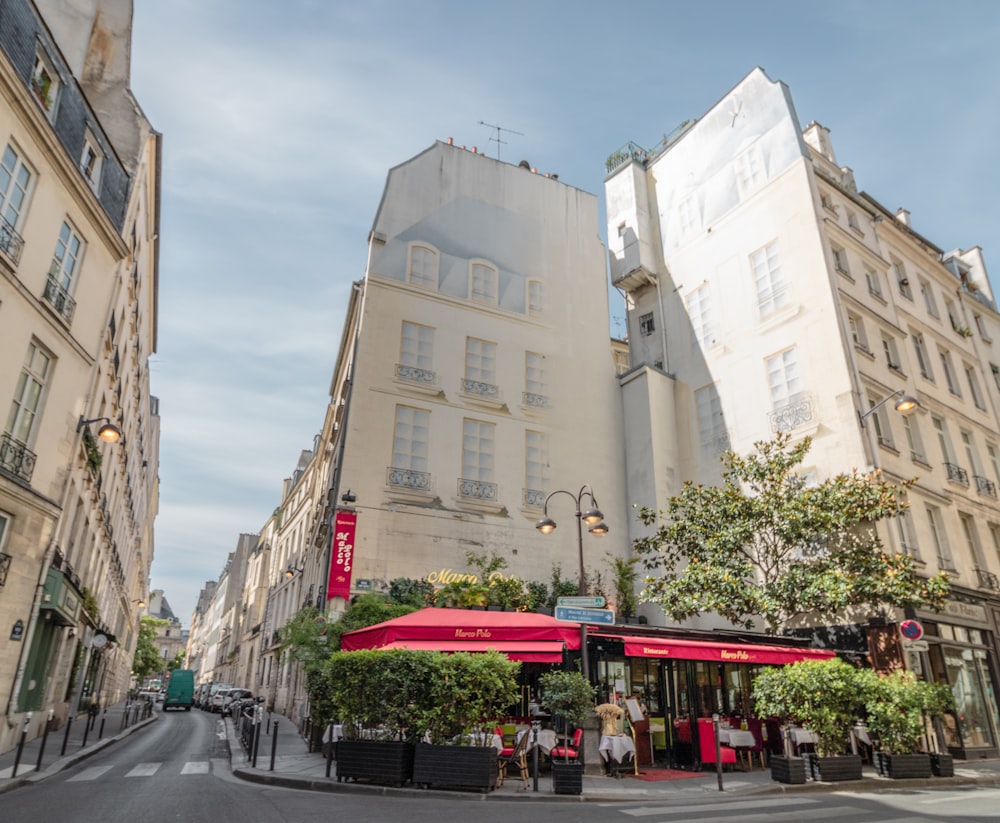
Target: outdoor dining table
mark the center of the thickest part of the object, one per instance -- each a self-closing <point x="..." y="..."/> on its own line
<point x="546" y="739"/>
<point x="742" y="741"/>
<point x="615" y="749"/>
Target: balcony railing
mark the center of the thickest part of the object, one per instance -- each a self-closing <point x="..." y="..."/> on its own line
<point x="987" y="580"/>
<point x="16" y="458"/>
<point x="534" y="498"/>
<point x="795" y="414"/>
<point x="11" y="242"/>
<point x="408" y="479"/>
<point x="477" y="489"/>
<point x="425" y="377"/>
<point x="957" y="474"/>
<point x="59" y="299"/>
<point x="985" y="486"/>
<point x="537" y="401"/>
<point x="488" y="391"/>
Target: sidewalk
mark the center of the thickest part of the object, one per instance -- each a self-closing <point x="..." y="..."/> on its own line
<point x="296" y="767"/>
<point x="70" y="744"/>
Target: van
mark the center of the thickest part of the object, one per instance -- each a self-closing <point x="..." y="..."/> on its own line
<point x="180" y="690"/>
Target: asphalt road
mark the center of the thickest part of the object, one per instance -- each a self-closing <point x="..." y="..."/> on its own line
<point x="177" y="769"/>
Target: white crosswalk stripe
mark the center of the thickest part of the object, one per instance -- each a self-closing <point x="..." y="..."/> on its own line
<point x="195" y="767"/>
<point x="90" y="774"/>
<point x="144" y="770"/>
<point x="141" y="770"/>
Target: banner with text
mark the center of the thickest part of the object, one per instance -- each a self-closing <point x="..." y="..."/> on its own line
<point x="342" y="555"/>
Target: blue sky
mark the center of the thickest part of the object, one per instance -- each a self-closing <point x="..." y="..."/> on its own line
<point x="280" y="121"/>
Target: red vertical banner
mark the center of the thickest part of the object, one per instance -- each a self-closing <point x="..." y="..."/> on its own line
<point x="342" y="555"/>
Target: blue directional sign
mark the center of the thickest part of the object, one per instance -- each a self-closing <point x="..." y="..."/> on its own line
<point x="582" y="602"/>
<point x="604" y="617"/>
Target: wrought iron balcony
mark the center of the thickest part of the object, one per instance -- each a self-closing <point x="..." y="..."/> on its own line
<point x="488" y="391"/>
<point x="793" y="415"/>
<point x="985" y="486"/>
<point x="987" y="580"/>
<point x="536" y="401"/>
<point x="59" y="299"/>
<point x="957" y="474"/>
<point x="413" y="374"/>
<point x="11" y="242"/>
<point x="534" y="498"/>
<point x="16" y="458"/>
<point x="408" y="479"/>
<point x="477" y="489"/>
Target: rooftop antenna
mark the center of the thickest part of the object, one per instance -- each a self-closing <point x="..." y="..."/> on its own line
<point x="497" y="139"/>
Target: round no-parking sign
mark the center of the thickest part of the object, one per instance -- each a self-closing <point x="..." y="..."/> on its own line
<point x="911" y="630"/>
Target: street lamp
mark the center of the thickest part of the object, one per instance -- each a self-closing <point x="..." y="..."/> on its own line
<point x="291" y="571"/>
<point x="906" y="404"/>
<point x="594" y="519"/>
<point x="109" y="432"/>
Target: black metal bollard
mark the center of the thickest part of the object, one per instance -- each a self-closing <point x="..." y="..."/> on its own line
<point x="86" y="731"/>
<point x="69" y="725"/>
<point x="274" y="743"/>
<point x="100" y="732"/>
<point x="45" y="736"/>
<point x="534" y="752"/>
<point x="328" y="745"/>
<point x="20" y="745"/>
<point x="124" y="721"/>
<point x="256" y="740"/>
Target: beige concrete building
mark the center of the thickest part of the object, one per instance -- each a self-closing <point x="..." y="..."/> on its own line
<point x="766" y="292"/>
<point x="79" y="214"/>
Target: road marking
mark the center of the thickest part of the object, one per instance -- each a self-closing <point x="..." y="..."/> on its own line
<point x="644" y="811"/>
<point x="90" y="774"/>
<point x="144" y="770"/>
<point x="22" y="769"/>
<point x="195" y="767"/>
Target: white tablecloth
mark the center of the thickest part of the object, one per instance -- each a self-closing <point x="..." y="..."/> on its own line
<point x="737" y="738"/>
<point x="616" y="747"/>
<point x="546" y="740"/>
<point x="801" y="736"/>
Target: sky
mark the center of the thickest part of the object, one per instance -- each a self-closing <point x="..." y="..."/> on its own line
<point x="280" y="121"/>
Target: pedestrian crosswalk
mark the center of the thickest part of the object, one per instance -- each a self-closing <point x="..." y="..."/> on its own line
<point x="132" y="770"/>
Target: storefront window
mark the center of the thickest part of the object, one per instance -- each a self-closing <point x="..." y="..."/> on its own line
<point x="967" y="672"/>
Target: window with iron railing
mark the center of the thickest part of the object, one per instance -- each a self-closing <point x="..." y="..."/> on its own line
<point x="957" y="474"/>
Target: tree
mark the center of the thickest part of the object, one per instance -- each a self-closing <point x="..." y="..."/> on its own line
<point x="766" y="545"/>
<point x="147" y="658"/>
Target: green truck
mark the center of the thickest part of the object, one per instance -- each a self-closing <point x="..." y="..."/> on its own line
<point x="180" y="690"/>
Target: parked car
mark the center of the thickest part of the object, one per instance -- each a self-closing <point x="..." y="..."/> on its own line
<point x="218" y="696"/>
<point x="232" y="697"/>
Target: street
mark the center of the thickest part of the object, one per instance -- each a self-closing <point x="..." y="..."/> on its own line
<point x="178" y="769"/>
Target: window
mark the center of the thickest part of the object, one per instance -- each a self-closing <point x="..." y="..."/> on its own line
<point x="949" y="372"/>
<point x="45" y="82"/>
<point x="687" y="219"/>
<point x="826" y="202"/>
<point x="994" y="458"/>
<point x="783" y="378"/>
<point x="840" y="261"/>
<point x="536" y="297"/>
<point x="995" y="536"/>
<point x="477" y="456"/>
<point x="947" y="455"/>
<point x="534" y="379"/>
<point x="883" y="432"/>
<point x="858" y="335"/>
<point x="953" y="318"/>
<point x="423" y="267"/>
<point x="416" y="353"/>
<point x="770" y="284"/>
<point x="971" y="453"/>
<point x="899" y="270"/>
<point x="410" y="439"/>
<point x="91" y="161"/>
<point x="852" y="223"/>
<point x="923" y="359"/>
<point x="711" y="423"/>
<point x="484" y="284"/>
<point x="995" y="371"/>
<point x="536" y="468"/>
<point x="749" y="170"/>
<point x="972" y="540"/>
<point x="928" y="295"/>
<point x="646" y="325"/>
<point x="891" y="352"/>
<point x="15" y="179"/>
<point x="699" y="309"/>
<point x="974" y="391"/>
<point x="480" y="368"/>
<point x="911" y="429"/>
<point x="907" y="534"/>
<point x="941" y="549"/>
<point x="874" y="282"/>
<point x="28" y="396"/>
<point x="66" y="256"/>
<point x="977" y="319"/>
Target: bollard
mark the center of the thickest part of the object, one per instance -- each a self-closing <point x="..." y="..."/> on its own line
<point x="718" y="749"/>
<point x="20" y="745"/>
<point x="69" y="725"/>
<point x="100" y="732"/>
<point x="86" y="731"/>
<point x="534" y="751"/>
<point x="274" y="743"/>
<point x="328" y="748"/>
<point x="256" y="736"/>
<point x="45" y="736"/>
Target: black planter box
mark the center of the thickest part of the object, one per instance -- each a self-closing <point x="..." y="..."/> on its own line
<point x="942" y="765"/>
<point x="455" y="767"/>
<point x="567" y="778"/>
<point x="788" y="769"/>
<point x="389" y="764"/>
<point x="834" y="769"/>
<point x="902" y="766"/>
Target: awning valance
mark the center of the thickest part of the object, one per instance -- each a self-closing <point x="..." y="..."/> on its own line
<point x="677" y="649"/>
<point x="539" y="651"/>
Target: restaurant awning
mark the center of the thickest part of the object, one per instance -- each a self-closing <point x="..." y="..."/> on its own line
<point x="517" y="634"/>
<point x="675" y="648"/>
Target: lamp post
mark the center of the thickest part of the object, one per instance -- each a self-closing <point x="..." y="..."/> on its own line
<point x="594" y="519"/>
<point x="904" y="405"/>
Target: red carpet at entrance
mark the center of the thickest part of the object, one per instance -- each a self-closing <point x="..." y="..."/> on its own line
<point x="663" y="774"/>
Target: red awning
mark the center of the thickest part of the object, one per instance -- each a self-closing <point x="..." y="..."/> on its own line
<point x="478" y="629"/>
<point x="719" y="652"/>
<point x="527" y="651"/>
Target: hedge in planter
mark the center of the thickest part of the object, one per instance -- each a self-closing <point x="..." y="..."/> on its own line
<point x="569" y="696"/>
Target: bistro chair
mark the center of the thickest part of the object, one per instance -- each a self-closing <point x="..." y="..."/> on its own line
<point x="516" y="754"/>
<point x="571" y="750"/>
<point x="706" y="740"/>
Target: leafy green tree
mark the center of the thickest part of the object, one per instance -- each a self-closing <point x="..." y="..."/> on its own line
<point x="766" y="545"/>
<point x="147" y="657"/>
<point x="304" y="637"/>
<point x="365" y="610"/>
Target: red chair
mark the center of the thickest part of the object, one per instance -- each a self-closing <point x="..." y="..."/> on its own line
<point x="706" y="740"/>
<point x="560" y="752"/>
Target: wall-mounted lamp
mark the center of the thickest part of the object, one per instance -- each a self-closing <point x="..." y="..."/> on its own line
<point x="291" y="571"/>
<point x="904" y="405"/>
<point x="109" y="432"/>
<point x="347" y="497"/>
<point x="141" y="602"/>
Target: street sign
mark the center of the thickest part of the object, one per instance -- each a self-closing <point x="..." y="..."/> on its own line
<point x="605" y="617"/>
<point x="911" y="630"/>
<point x="582" y="602"/>
<point x="916" y="645"/>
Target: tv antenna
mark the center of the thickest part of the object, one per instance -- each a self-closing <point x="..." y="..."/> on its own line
<point x="497" y="139"/>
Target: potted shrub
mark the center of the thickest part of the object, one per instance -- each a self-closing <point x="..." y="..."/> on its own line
<point x="625" y="577"/>
<point x="895" y="707"/>
<point x="468" y="696"/>
<point x="570" y="696"/>
<point x="939" y="699"/>
<point x="824" y="696"/>
<point x="507" y="594"/>
<point x="537" y="596"/>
